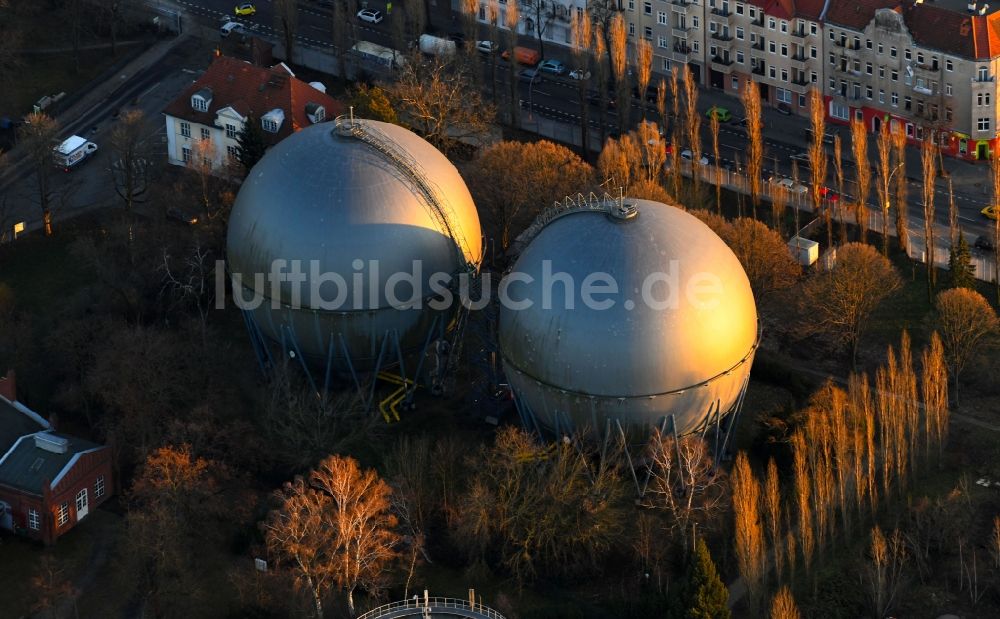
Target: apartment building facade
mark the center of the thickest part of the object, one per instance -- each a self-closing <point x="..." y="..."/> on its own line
<point x="926" y="70"/>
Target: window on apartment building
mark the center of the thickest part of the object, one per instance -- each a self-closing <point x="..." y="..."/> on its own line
<point x="199" y="103"/>
<point x="783" y="95"/>
<point x="895" y="99"/>
<point x="695" y="46"/>
<point x="857" y="66"/>
<point x="983" y="74"/>
<point x="34" y="521"/>
<point x="233" y="153"/>
<point x="661" y="18"/>
<point x="665" y="64"/>
<point x="713" y="27"/>
<point x="770" y="23"/>
<point x="949" y="65"/>
<point x="813" y="77"/>
<point x="833" y="84"/>
<point x="784" y="75"/>
<point x="99" y="487"/>
<point x="81" y="500"/>
<point x="647" y="33"/>
<point x="881" y="49"/>
<point x="920" y="57"/>
<point x="661" y="42"/>
<point x="881" y="96"/>
<point x="868" y="92"/>
<point x="892" y="51"/>
<point x="631" y="5"/>
<point x="739" y="56"/>
<point x="230" y="131"/>
<point x="881" y="73"/>
<point x="205" y="133"/>
<point x="771" y="47"/>
<point x="907" y="54"/>
<point x="784" y="50"/>
<point x="694" y="22"/>
<point x="857" y="43"/>
<point x="894" y="76"/>
<point x="839" y="111"/>
<point x="868" y="68"/>
<point x="631" y="29"/>
<point x="833" y="58"/>
<point x="771" y="72"/>
<point x="784" y="26"/>
<point x="753" y="13"/>
<point x="186" y="154"/>
<point x="647" y="8"/>
<point x="813" y="28"/>
<point x="802" y="100"/>
<point x="832" y="34"/>
<point x="948" y="114"/>
<point x="948" y="89"/>
<point x="907" y="103"/>
<point x="739" y="33"/>
<point x="812" y="51"/>
<point x="983" y="124"/>
<point x="739" y="8"/>
<point x="186" y="129"/>
<point x="735" y="83"/>
<point x="62" y="516"/>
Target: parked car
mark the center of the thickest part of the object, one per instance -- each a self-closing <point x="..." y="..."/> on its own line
<point x="792" y="187"/>
<point x="530" y="75"/>
<point x="371" y="16"/>
<point x="486" y="47"/>
<point x="721" y="114"/>
<point x="550" y="65"/>
<point x="594" y="98"/>
<point x="687" y="155"/>
<point x="828" y="138"/>
<point x="229" y="28"/>
<point x="829" y="194"/>
<point x="579" y="74"/>
<point x="245" y="9"/>
<point x="802" y="159"/>
<point x="991" y="212"/>
<point x="784" y="108"/>
<point x="984" y="243"/>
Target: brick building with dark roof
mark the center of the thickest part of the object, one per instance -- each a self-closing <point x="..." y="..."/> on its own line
<point x="49" y="481"/>
<point x="227" y="95"/>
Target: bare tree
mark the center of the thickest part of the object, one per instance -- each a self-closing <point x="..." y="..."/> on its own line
<point x="683" y="483"/>
<point x="545" y="172"/>
<point x="838" y="168"/>
<point x="953" y="231"/>
<point x="764" y="256"/>
<point x="803" y="501"/>
<point x="51" y="587"/>
<point x="676" y="134"/>
<point x="130" y="166"/>
<point x="755" y="140"/>
<point x="902" y="208"/>
<point x="964" y="320"/>
<point x="817" y="157"/>
<point x="771" y="501"/>
<point x="581" y="27"/>
<point x="693" y="122"/>
<point x="779" y="198"/>
<point x="643" y="71"/>
<point x="601" y="77"/>
<point x="37" y="137"/>
<point x="714" y="130"/>
<point x="618" y="50"/>
<point x="883" y="574"/>
<point x="433" y="97"/>
<point x="661" y="107"/>
<point x="934" y="392"/>
<point x="286" y="22"/>
<point x="928" y="161"/>
<point x="863" y="176"/>
<point x="334" y="528"/>
<point x="747" y="526"/>
<point x="882" y="190"/>
<point x="843" y="298"/>
<point x="783" y="605"/>
<point x="512" y="19"/>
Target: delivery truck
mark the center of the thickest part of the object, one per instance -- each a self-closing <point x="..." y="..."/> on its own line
<point x="436" y="46"/>
<point x="72" y="152"/>
<point x="524" y="56"/>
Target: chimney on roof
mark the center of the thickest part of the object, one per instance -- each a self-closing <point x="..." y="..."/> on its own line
<point x="971" y="7"/>
<point x="983" y="9"/>
<point x="8" y="386"/>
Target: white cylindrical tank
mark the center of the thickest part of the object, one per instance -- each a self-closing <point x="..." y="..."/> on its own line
<point x="647" y="356"/>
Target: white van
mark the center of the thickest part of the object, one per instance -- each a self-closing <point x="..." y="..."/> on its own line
<point x="231" y="27"/>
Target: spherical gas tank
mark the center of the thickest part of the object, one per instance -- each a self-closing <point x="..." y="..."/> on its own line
<point x="661" y="320"/>
<point x="362" y="214"/>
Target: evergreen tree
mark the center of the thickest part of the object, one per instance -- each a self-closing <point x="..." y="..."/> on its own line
<point x="373" y="102"/>
<point x="960" y="265"/>
<point x="250" y="144"/>
<point x="702" y="594"/>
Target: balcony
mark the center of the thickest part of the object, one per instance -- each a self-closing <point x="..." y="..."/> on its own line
<point x="722" y="35"/>
<point x="800" y="80"/>
<point x="681" y="49"/>
<point x="722" y="60"/>
<point x="758" y="70"/>
<point x="799" y="56"/>
<point x="681" y="2"/>
<point x="983" y="80"/>
<point x="924" y="90"/>
<point x="800" y="32"/>
<point x="721" y="11"/>
<point x="680" y="32"/>
<point x="758" y="21"/>
<point x="759" y="45"/>
<point x="930" y="68"/>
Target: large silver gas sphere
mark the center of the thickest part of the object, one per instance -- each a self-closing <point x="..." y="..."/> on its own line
<point x="677" y="338"/>
<point x="355" y="216"/>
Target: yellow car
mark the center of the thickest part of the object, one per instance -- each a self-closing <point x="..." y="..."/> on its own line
<point x="246" y="8"/>
<point x="991" y="211"/>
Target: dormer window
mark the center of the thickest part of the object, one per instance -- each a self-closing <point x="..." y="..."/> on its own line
<point x="201" y="100"/>
<point x="271" y="122"/>
<point x="315" y="112"/>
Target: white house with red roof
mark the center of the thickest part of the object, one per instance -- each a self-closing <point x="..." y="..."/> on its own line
<point x="227" y="95"/>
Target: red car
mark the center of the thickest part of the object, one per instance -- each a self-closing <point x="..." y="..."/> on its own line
<point x="829" y="194"/>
